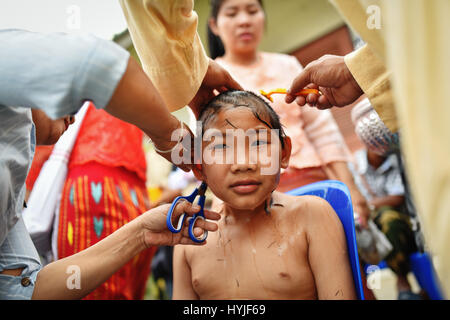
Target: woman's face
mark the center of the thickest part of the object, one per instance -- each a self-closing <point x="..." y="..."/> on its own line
<point x="240" y="25"/>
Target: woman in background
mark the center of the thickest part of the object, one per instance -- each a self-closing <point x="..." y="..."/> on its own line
<point x="235" y="30"/>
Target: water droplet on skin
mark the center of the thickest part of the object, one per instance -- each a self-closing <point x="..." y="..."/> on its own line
<point x="281" y="248"/>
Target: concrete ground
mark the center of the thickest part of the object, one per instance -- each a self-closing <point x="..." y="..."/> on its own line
<point x="383" y="283"/>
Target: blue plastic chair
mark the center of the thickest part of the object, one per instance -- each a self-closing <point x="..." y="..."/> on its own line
<point x="423" y="270"/>
<point x="338" y="196"/>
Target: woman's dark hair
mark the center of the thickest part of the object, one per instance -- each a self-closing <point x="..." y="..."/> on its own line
<point x="235" y="98"/>
<point x="215" y="45"/>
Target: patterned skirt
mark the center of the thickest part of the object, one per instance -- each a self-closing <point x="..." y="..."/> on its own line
<point x="96" y="201"/>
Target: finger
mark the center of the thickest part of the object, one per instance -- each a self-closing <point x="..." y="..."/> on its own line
<point x="300" y="100"/>
<point x="187" y="240"/>
<point x="233" y="84"/>
<point x="199" y="232"/>
<point x="312" y="86"/>
<point x="312" y="98"/>
<point x="289" y="98"/>
<point x="188" y="208"/>
<point x="211" y="215"/>
<point x="301" y="81"/>
<point x="190" y="242"/>
<point x="323" y="103"/>
<point x="205" y="225"/>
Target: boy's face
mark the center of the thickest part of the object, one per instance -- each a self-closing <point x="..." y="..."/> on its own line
<point x="242" y="159"/>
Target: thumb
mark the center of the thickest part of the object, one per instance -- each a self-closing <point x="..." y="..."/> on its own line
<point x="232" y="84"/>
<point x="188" y="208"/>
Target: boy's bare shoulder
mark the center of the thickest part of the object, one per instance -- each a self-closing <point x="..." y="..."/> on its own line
<point x="306" y="206"/>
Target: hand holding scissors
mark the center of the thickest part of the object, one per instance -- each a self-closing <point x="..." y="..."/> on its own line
<point x="200" y="191"/>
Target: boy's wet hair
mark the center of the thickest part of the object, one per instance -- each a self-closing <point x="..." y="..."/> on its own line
<point x="236" y="98"/>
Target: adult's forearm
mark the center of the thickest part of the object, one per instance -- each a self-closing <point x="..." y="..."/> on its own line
<point x="137" y="101"/>
<point x="392" y="201"/>
<point x="76" y="276"/>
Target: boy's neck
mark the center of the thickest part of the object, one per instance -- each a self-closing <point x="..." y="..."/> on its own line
<point x="245" y="215"/>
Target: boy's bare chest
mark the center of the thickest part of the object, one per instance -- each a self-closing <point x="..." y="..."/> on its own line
<point x="252" y="265"/>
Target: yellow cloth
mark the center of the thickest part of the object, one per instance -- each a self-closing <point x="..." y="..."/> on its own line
<point x="416" y="49"/>
<point x="374" y="79"/>
<point x="164" y="34"/>
<point x="368" y="63"/>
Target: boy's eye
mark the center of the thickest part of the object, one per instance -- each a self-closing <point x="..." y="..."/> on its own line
<point x="259" y="143"/>
<point x="220" y="146"/>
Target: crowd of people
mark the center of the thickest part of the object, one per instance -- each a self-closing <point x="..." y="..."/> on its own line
<point x="264" y="243"/>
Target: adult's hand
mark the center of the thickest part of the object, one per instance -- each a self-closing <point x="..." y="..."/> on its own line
<point x="179" y="148"/>
<point x="331" y="76"/>
<point x="361" y="207"/>
<point x="156" y="233"/>
<point x="98" y="262"/>
<point x="216" y="78"/>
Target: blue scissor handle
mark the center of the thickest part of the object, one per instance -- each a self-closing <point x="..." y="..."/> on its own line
<point x="192" y="220"/>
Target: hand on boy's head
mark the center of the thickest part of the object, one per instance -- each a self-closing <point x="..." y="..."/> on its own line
<point x="216" y="80"/>
<point x="157" y="233"/>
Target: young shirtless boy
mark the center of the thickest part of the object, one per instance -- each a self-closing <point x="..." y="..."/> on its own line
<point x="269" y="245"/>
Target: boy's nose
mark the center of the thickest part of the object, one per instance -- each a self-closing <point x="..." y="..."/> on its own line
<point x="243" y="167"/>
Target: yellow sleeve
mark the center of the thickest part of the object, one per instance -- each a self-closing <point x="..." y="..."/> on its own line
<point x="164" y="34"/>
<point x="373" y="78"/>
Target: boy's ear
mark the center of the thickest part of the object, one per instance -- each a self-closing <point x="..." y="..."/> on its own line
<point x="197" y="170"/>
<point x="286" y="152"/>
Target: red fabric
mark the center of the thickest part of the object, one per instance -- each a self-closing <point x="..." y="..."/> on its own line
<point x="109" y="141"/>
<point x="42" y="153"/>
<point x="96" y="201"/>
<point x="293" y="178"/>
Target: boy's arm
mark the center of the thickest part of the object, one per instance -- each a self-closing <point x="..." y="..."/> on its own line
<point x="182" y="281"/>
<point x="327" y="252"/>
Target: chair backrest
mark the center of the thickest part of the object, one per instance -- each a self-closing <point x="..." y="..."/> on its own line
<point x="423" y="269"/>
<point x="338" y="196"/>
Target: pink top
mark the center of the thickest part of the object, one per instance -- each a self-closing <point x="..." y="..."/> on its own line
<point x="316" y="139"/>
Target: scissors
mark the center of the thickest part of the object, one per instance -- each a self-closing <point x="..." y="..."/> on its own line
<point x="200" y="191"/>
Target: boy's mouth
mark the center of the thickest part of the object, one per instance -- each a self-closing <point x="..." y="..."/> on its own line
<point x="245" y="186"/>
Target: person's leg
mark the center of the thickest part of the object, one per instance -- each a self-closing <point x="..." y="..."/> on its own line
<point x="397" y="228"/>
<point x="19" y="264"/>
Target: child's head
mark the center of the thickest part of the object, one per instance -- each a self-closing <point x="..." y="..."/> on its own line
<point x="243" y="148"/>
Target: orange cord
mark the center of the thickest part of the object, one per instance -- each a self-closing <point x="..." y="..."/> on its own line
<point x="303" y="92"/>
